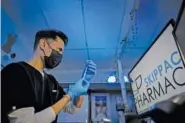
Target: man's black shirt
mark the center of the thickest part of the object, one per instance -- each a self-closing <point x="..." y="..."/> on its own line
<point x="24" y="86"/>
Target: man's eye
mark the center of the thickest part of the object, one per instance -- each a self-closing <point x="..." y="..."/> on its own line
<point x="60" y="49"/>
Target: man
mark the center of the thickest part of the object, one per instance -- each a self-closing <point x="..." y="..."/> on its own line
<point x="29" y="95"/>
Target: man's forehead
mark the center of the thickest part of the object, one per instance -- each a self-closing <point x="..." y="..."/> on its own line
<point x="58" y="41"/>
<point x="58" y="38"/>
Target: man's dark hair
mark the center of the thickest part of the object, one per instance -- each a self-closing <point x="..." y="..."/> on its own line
<point x="49" y="34"/>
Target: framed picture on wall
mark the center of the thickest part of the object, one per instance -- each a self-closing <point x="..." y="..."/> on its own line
<point x="100" y="107"/>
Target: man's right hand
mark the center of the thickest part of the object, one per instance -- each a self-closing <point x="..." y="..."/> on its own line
<point x="78" y="89"/>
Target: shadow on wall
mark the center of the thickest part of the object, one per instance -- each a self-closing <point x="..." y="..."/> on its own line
<point x="8" y="39"/>
<point x="6" y="49"/>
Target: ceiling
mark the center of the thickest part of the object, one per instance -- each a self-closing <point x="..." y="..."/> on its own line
<point x="95" y="29"/>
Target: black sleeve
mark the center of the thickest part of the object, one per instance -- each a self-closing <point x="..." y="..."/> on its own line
<point x="60" y="90"/>
<point x="16" y="89"/>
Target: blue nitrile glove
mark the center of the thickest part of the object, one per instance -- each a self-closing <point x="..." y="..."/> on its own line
<point x="78" y="89"/>
<point x="89" y="71"/>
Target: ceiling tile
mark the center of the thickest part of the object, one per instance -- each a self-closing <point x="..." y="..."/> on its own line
<point x="104" y="58"/>
<point x="69" y="20"/>
<point x="133" y="52"/>
<point x="130" y="56"/>
<point x="47" y="5"/>
<point x="103" y="21"/>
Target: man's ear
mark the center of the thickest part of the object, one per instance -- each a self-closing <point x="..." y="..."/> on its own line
<point x="42" y="44"/>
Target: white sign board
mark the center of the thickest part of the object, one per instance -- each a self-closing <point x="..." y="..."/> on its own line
<point x="159" y="74"/>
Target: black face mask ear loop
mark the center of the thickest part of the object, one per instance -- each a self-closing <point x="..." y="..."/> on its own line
<point x="42" y="58"/>
<point x="49" y="47"/>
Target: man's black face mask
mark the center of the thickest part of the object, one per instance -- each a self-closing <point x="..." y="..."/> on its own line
<point x="53" y="60"/>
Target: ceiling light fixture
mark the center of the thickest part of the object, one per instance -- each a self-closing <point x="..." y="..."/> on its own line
<point x="112" y="79"/>
<point x="126" y="79"/>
